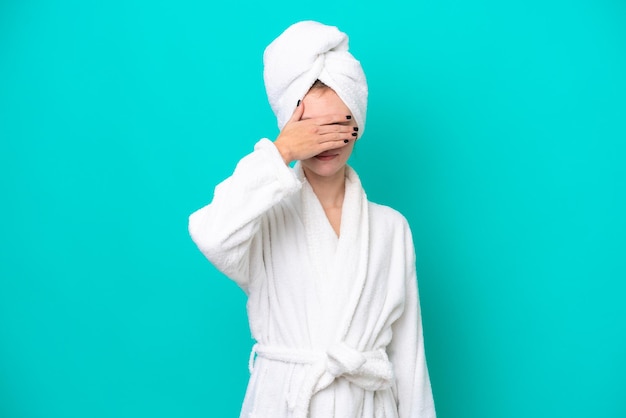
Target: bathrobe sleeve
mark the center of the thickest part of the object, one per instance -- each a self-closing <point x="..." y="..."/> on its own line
<point x="406" y="350"/>
<point x="225" y="230"/>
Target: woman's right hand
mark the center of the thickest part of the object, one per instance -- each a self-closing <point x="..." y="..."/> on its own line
<point x="304" y="138"/>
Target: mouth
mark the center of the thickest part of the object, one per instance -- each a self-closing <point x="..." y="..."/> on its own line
<point x="327" y="156"/>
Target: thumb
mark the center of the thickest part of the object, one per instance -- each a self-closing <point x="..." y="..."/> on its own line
<point x="297" y="113"/>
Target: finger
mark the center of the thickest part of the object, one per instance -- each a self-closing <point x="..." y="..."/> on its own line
<point x="346" y="129"/>
<point x="297" y="113"/>
<point x="337" y="137"/>
<point x="334" y="144"/>
<point x="333" y="119"/>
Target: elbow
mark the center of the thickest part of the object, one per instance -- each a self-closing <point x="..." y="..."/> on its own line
<point x="214" y="241"/>
<point x="202" y="234"/>
<point x="215" y="247"/>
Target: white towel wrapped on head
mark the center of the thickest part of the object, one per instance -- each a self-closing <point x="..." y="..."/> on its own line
<point x="308" y="51"/>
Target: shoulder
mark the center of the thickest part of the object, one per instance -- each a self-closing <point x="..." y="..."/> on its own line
<point x="390" y="231"/>
<point x="387" y="216"/>
<point x="390" y="225"/>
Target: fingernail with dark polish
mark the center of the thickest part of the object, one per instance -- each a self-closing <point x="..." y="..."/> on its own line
<point x="298" y="103"/>
<point x="356" y="128"/>
<point x="354" y="133"/>
<point x="348" y="117"/>
<point x="345" y="141"/>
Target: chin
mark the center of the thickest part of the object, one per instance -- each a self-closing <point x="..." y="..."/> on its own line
<point x="323" y="169"/>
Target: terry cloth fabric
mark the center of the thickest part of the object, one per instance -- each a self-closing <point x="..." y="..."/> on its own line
<point x="370" y="371"/>
<point x="308" y="51"/>
<point x="331" y="313"/>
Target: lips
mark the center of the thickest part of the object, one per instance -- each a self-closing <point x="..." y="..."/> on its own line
<point x="326" y="157"/>
<point x="329" y="153"/>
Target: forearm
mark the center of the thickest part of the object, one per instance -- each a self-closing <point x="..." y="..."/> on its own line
<point x="224" y="229"/>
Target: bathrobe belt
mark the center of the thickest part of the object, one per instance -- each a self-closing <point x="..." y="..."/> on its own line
<point x="370" y="370"/>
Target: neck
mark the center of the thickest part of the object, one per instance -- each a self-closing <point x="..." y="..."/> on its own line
<point x="329" y="190"/>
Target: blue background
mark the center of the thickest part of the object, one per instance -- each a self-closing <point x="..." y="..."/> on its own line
<point x="497" y="128"/>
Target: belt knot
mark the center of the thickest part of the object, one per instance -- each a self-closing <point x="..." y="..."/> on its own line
<point x="370" y="370"/>
<point x="341" y="359"/>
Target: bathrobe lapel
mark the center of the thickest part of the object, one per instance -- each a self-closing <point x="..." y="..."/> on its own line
<point x="318" y="239"/>
<point x="352" y="250"/>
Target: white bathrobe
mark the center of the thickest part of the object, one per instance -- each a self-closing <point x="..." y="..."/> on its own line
<point x="336" y="319"/>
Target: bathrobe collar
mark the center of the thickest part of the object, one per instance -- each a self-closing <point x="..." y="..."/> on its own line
<point x="347" y="272"/>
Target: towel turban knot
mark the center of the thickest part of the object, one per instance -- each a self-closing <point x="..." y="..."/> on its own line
<point x="308" y="51"/>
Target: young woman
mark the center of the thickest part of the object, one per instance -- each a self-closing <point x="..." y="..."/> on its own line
<point x="330" y="277"/>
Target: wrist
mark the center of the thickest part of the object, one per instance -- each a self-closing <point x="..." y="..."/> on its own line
<point x="283" y="151"/>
